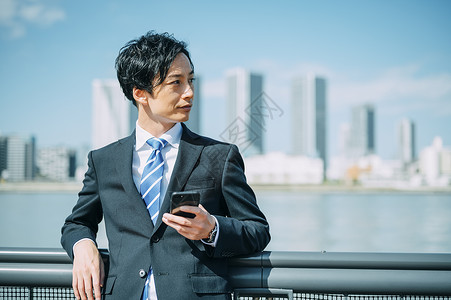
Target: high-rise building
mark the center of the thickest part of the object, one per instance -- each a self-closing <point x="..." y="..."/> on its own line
<point x="30" y="158"/>
<point x="363" y="130"/>
<point x="57" y="163"/>
<point x="17" y="158"/>
<point x="113" y="115"/>
<point x="309" y="117"/>
<point x="445" y="163"/>
<point x="194" y="121"/>
<point x="430" y="164"/>
<point x="244" y="118"/>
<point x="3" y="154"/>
<point x="406" y="141"/>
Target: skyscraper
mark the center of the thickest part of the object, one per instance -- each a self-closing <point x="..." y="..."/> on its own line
<point x="244" y="118"/>
<point x="113" y="115"/>
<point x="363" y="130"/>
<point x="194" y="122"/>
<point x="406" y="141"/>
<point x="17" y="158"/>
<point x="309" y="117"/>
<point x="430" y="161"/>
<point x="3" y="155"/>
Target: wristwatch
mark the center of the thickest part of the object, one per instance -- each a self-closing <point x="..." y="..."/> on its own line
<point x="212" y="235"/>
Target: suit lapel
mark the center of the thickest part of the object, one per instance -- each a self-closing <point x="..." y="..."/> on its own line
<point x="124" y="159"/>
<point x="187" y="158"/>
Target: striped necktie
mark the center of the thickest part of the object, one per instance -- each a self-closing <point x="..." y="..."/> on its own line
<point x="152" y="176"/>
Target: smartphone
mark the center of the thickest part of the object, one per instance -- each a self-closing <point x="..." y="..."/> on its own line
<point x="184" y="198"/>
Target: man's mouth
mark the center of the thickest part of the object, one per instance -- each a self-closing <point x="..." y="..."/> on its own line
<point x="188" y="106"/>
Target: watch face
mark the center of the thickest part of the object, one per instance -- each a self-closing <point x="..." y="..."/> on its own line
<point x="213" y="234"/>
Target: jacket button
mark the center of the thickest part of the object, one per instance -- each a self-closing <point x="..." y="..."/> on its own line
<point x="155" y="239"/>
<point x="142" y="273"/>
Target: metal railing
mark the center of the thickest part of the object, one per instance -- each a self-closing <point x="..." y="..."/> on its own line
<point x="27" y="273"/>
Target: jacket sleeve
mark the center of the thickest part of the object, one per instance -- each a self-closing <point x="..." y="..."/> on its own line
<point x="87" y="213"/>
<point x="245" y="230"/>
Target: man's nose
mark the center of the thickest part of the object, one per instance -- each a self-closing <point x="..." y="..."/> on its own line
<point x="189" y="91"/>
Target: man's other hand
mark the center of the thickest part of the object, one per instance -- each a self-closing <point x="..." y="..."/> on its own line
<point x="88" y="271"/>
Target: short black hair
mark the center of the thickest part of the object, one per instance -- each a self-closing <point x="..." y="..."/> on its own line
<point x="144" y="62"/>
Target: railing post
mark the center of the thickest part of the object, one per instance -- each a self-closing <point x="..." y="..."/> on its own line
<point x="30" y="293"/>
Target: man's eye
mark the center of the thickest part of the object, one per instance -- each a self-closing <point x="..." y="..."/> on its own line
<point x="176" y="82"/>
<point x="192" y="80"/>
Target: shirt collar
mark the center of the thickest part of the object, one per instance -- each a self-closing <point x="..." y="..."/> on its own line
<point x="172" y="136"/>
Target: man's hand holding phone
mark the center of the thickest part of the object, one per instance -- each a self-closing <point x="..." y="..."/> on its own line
<point x="188" y="217"/>
<point x="179" y="199"/>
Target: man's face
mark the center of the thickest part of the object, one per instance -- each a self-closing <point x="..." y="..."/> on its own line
<point x="171" y="101"/>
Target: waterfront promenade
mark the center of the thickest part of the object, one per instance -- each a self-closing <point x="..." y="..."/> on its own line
<point x="75" y="186"/>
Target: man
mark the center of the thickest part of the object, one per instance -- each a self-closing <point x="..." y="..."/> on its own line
<point x="155" y="254"/>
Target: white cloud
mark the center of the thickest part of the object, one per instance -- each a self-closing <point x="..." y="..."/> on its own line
<point x="39" y="14"/>
<point x="7" y="10"/>
<point x="399" y="85"/>
<point x="16" y="15"/>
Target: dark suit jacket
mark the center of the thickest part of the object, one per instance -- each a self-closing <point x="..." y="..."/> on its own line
<point x="183" y="269"/>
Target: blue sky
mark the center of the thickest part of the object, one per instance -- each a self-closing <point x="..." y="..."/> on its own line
<point x="394" y="54"/>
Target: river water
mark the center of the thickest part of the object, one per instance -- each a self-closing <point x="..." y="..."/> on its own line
<point x="299" y="220"/>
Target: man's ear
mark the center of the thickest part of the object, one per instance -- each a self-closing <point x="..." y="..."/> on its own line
<point x="140" y="96"/>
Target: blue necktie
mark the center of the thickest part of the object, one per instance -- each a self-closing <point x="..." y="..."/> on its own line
<point x="150" y="188"/>
<point x="152" y="176"/>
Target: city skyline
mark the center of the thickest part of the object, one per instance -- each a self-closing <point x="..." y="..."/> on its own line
<point x="401" y="65"/>
<point x="113" y="118"/>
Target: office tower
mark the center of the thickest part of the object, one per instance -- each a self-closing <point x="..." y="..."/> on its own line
<point x="17" y="158"/>
<point x="406" y="141"/>
<point x="3" y="156"/>
<point x="430" y="162"/>
<point x="113" y="115"/>
<point x="194" y="122"/>
<point x="309" y="117"/>
<point x="245" y="123"/>
<point x="445" y="163"/>
<point x="57" y="163"/>
<point x="363" y="130"/>
<point x="30" y="158"/>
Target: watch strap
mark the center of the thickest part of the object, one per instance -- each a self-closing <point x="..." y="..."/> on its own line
<point x="212" y="234"/>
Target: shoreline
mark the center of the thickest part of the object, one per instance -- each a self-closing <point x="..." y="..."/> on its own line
<point x="40" y="187"/>
<point x="75" y="187"/>
<point x="328" y="188"/>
